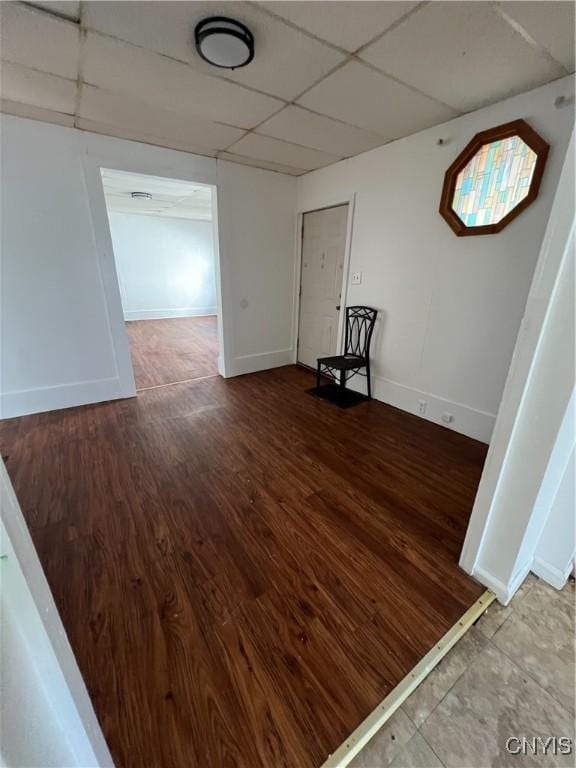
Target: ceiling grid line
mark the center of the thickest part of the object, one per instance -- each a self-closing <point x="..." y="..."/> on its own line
<point x="261" y="9"/>
<point x="404" y="83"/>
<point x="37" y="69"/>
<point x="350" y="55"/>
<point x="215" y="122"/>
<point x="214" y="76"/>
<point x="79" y="79"/>
<point x="517" y="27"/>
<point x="392" y="26"/>
<point x="48" y="12"/>
<point x="292" y="102"/>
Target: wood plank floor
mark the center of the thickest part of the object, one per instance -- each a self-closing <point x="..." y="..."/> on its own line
<point x="244" y="571"/>
<point x="171" y="350"/>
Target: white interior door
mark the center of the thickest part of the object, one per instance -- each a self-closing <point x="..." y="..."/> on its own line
<point x="323" y="249"/>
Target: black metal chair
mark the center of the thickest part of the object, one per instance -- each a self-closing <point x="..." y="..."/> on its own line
<point x="360" y="323"/>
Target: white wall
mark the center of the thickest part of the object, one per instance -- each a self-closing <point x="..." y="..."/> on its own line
<point x="257" y="215"/>
<point x="46" y="717"/>
<point x="57" y="344"/>
<point x="165" y="265"/>
<point x="516" y="490"/>
<point x="450" y="307"/>
<point x="63" y="336"/>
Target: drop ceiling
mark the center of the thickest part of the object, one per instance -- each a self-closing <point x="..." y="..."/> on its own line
<point x="329" y="79"/>
<point x="169" y="197"/>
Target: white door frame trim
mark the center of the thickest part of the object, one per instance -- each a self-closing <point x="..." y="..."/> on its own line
<point x="328" y="203"/>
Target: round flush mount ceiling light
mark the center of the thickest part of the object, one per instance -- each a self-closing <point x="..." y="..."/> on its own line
<point x="223" y="42"/>
<point x="140" y="195"/>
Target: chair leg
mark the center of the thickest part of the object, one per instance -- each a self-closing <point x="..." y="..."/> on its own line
<point x="369" y="381"/>
<point x="342" y="380"/>
<point x="318" y="376"/>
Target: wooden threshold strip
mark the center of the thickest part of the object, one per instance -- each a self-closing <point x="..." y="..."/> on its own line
<point x="376" y="719"/>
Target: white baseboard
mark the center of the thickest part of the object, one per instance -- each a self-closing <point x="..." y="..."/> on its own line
<point x="504" y="592"/>
<point x="259" y="362"/>
<point x="165" y="314"/>
<point x="552" y="575"/>
<point x="465" y="420"/>
<point x="28" y="401"/>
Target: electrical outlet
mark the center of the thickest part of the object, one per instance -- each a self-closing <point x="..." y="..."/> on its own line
<point x="421" y="407"/>
<point x="447" y="418"/>
<point x="356" y="278"/>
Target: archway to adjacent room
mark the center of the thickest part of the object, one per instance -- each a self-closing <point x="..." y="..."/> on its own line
<point x="163" y="234"/>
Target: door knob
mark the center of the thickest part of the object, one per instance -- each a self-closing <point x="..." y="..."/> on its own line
<point x="337" y="306"/>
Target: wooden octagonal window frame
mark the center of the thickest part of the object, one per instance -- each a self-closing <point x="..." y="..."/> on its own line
<point x="529" y="136"/>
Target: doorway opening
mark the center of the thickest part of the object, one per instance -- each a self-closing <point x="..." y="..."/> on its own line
<point x="164" y="244"/>
<point x="323" y="269"/>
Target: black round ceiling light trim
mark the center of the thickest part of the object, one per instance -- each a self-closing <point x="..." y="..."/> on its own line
<point x="224" y="43"/>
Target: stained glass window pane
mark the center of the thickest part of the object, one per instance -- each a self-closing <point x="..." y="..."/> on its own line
<point x="495" y="180"/>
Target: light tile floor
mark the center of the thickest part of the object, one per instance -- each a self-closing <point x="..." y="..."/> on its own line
<point x="511" y="675"/>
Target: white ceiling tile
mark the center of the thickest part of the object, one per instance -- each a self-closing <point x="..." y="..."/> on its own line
<point x="265" y="164"/>
<point x="36" y="39"/>
<point x="551" y="23"/>
<point x="165" y="27"/>
<point x="35" y="113"/>
<point x="311" y="130"/>
<point x="69" y="8"/>
<point x="348" y="25"/>
<point x="286" y="61"/>
<point x="363" y="97"/>
<point x="126" y="114"/>
<point x="263" y="148"/>
<point x="462" y="53"/>
<point x="133" y="134"/>
<point x="29" y="86"/>
<point x="154" y="79"/>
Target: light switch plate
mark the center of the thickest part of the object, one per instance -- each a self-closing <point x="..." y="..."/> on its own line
<point x="356" y="278"/>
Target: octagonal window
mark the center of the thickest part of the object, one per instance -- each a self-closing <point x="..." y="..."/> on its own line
<point x="494" y="178"/>
<point x="494" y="182"/>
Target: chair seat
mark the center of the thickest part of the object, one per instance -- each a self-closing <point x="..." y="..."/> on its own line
<point x="343" y="362"/>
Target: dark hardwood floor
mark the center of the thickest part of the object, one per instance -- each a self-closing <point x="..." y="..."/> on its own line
<point x="172" y="350"/>
<point x="243" y="570"/>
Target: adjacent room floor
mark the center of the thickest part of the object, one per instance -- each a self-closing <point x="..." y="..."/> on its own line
<point x="172" y="350"/>
<point x="512" y="675"/>
<point x="244" y="571"/>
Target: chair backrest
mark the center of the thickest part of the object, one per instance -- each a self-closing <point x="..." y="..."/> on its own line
<point x="359" y="328"/>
